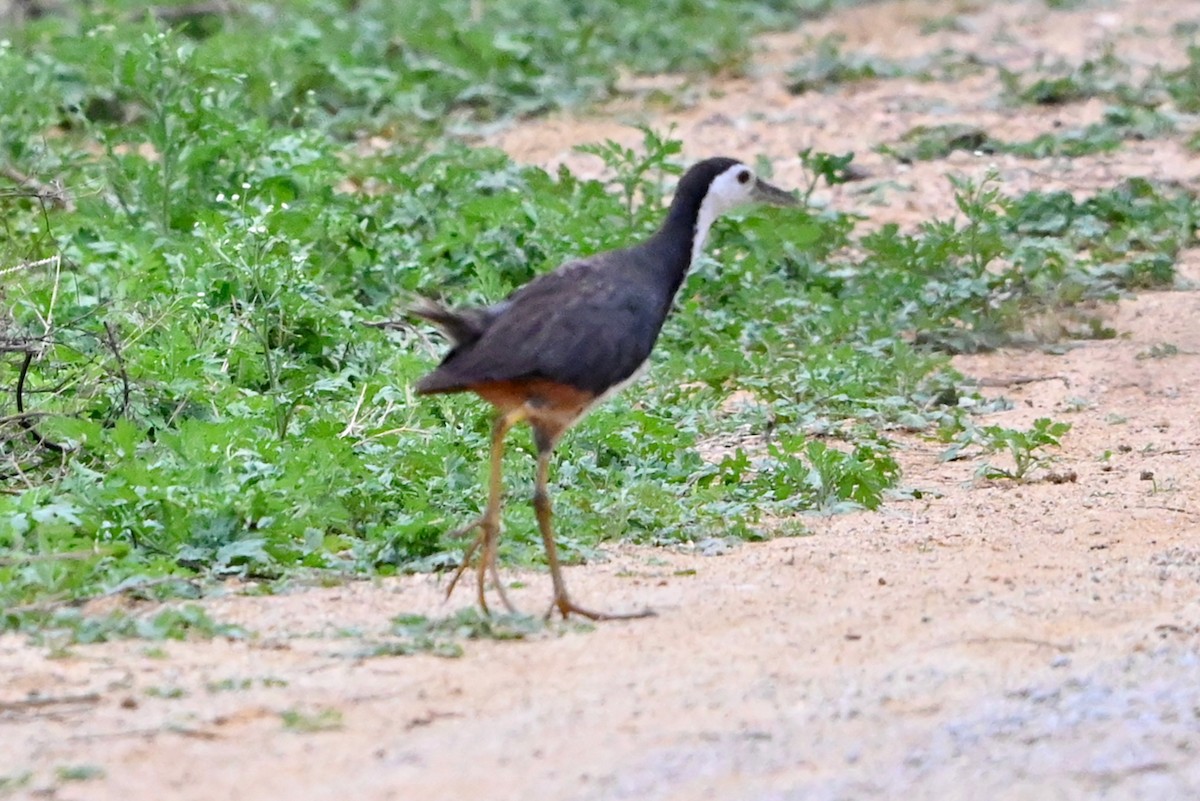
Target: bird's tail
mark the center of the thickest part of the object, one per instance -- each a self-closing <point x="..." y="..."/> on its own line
<point x="461" y="326"/>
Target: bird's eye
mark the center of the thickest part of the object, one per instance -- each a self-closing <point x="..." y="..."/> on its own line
<point x="743" y="176"/>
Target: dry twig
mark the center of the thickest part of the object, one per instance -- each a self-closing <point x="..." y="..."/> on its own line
<point x="23" y="419"/>
<point x="39" y="701"/>
<point x="27" y="186"/>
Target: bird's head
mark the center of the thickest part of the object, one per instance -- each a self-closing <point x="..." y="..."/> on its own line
<point x="732" y="183"/>
<point x="714" y="186"/>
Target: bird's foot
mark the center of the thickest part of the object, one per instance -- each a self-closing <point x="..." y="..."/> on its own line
<point x="468" y="554"/>
<point x="567" y="607"/>
<point x="488" y="534"/>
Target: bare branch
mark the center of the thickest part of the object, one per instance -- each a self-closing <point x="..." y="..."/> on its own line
<point x="30" y="265"/>
<point x="116" y="351"/>
<point x="54" y="193"/>
<point x="25" y="422"/>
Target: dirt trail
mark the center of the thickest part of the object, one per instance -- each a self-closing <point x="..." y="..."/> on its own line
<point x="989" y="641"/>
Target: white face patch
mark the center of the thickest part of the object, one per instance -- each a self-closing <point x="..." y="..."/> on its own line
<point x="731" y="188"/>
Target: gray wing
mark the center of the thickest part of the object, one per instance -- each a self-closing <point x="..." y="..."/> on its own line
<point x="589" y="324"/>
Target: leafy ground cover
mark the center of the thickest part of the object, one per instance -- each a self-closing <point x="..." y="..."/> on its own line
<point x="191" y="392"/>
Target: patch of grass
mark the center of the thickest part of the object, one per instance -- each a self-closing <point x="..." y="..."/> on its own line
<point x="235" y="685"/>
<point x="1026" y="450"/>
<point x="1163" y="350"/>
<point x="1070" y="144"/>
<point x="1120" y="124"/>
<point x="929" y="142"/>
<point x="79" y="773"/>
<point x="1012" y="257"/>
<point x="69" y="627"/>
<point x="1130" y="233"/>
<point x="1183" y="84"/>
<point x="417" y="634"/>
<point x="12" y="782"/>
<point x="468" y="624"/>
<point x="1108" y="77"/>
<point x="829" y="66"/>
<point x="312" y="722"/>
<point x="1105" y="76"/>
<point x="857" y="479"/>
<point x="945" y="22"/>
<point x="393" y="67"/>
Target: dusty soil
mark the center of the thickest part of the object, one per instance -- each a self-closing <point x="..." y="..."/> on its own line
<point x="990" y="640"/>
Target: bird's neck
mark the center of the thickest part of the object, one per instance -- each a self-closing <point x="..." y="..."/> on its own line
<point x="681" y="239"/>
<point x="706" y="215"/>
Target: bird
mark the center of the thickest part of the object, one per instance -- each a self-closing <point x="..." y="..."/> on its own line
<point x="568" y="339"/>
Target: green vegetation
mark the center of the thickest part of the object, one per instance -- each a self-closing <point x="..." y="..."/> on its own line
<point x="929" y="142"/>
<point x="1105" y="76"/>
<point x="1183" y="84"/>
<point x="1164" y="350"/>
<point x="829" y="66"/>
<point x="945" y="22"/>
<point x="417" y="634"/>
<point x="236" y="685"/>
<point x="59" y="627"/>
<point x="79" y="773"/>
<point x="9" y="784"/>
<point x="1120" y="124"/>
<point x="305" y="722"/>
<point x="190" y="393"/>
<point x="1014" y="257"/>
<point x="393" y="67"/>
<point x="1109" y="78"/>
<point x="1026" y="450"/>
<point x="1138" y="110"/>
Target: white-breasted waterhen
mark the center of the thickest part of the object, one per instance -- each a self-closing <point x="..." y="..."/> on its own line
<point x="564" y="341"/>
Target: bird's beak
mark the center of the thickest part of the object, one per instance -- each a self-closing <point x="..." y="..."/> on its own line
<point x="769" y="193"/>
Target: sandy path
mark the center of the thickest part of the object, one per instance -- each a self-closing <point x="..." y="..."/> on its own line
<point x="988" y="641"/>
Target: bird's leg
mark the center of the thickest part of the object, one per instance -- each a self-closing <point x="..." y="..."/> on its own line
<point x="489" y="523"/>
<point x="541" y="505"/>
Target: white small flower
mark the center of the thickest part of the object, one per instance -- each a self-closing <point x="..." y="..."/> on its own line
<point x="235" y="197"/>
<point x="220" y="197"/>
<point x="245" y="185"/>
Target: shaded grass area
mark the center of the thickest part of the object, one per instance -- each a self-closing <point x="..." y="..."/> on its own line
<point x="397" y="68"/>
<point x="200" y="398"/>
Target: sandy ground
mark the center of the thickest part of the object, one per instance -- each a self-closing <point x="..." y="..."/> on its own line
<point x="988" y="641"/>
